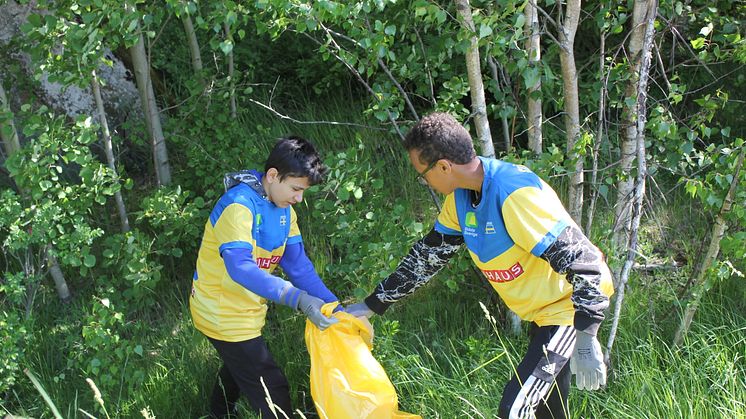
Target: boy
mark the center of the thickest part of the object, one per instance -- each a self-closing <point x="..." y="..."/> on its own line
<point x="251" y="230"/>
<point x="522" y="239"/>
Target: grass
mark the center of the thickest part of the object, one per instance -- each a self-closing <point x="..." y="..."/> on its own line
<point x="445" y="357"/>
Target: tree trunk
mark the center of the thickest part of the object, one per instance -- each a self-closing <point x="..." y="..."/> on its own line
<point x="9" y="136"/>
<point x="642" y="12"/>
<point x="642" y="171"/>
<point x="533" y="49"/>
<point x="572" y="108"/>
<point x="150" y="107"/>
<point x="599" y="135"/>
<point x="476" y="86"/>
<point x="231" y="80"/>
<point x="191" y="36"/>
<point x="121" y="209"/>
<point x="698" y="287"/>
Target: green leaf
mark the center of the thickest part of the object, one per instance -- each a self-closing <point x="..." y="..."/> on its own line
<point x="698" y="43"/>
<point x="484" y="31"/>
<point x="226" y="46"/>
<point x="89" y="261"/>
<point x="520" y="21"/>
<point x="138" y="350"/>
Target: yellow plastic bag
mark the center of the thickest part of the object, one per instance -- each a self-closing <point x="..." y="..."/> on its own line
<point x="346" y="381"/>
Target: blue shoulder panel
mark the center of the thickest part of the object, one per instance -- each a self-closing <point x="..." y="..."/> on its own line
<point x="238" y="194"/>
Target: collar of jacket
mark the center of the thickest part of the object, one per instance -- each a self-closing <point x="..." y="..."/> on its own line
<point x="250" y="178"/>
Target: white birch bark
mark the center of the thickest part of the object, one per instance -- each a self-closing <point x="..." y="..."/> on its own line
<point x="191" y="36"/>
<point x="642" y="11"/>
<point x="149" y="106"/>
<point x="476" y="86"/>
<point x="533" y="49"/>
<point x="639" y="187"/>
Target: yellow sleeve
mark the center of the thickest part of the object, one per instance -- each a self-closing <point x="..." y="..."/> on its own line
<point x="447" y="222"/>
<point x="294" y="234"/>
<point x="534" y="218"/>
<point x="233" y="228"/>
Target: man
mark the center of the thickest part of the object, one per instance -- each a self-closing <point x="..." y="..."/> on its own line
<point x="251" y="230"/>
<point x="534" y="255"/>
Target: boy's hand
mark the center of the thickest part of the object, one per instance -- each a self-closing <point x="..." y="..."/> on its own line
<point x="587" y="363"/>
<point x="359" y="310"/>
<point x="311" y="307"/>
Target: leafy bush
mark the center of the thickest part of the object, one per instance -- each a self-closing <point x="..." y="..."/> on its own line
<point x="132" y="272"/>
<point x="104" y="351"/>
<point x="60" y="182"/>
<point x="174" y="220"/>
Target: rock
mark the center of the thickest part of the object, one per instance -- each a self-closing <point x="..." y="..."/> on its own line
<point x="118" y="90"/>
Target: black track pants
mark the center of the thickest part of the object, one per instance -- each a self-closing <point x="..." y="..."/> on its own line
<point x="543" y="377"/>
<point x="245" y="366"/>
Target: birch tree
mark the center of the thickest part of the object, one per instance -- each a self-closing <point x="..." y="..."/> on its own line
<point x="643" y="12"/>
<point x="150" y="109"/>
<point x="533" y="49"/>
<point x="641" y="94"/>
<point x="184" y="12"/>
<point x="476" y="85"/>
<point x="566" y="37"/>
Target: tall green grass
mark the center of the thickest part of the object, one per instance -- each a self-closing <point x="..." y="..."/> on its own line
<point x="446" y="358"/>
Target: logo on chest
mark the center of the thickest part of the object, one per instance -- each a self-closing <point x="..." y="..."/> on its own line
<point x="504" y="275"/>
<point x="470" y="224"/>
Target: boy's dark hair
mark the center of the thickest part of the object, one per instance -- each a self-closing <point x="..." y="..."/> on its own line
<point x="296" y="157"/>
<point x="439" y="136"/>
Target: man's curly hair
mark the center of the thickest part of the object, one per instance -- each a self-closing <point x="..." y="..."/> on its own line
<point x="439" y="136"/>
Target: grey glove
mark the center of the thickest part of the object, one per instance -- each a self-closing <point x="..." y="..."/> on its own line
<point x="587" y="362"/>
<point x="359" y="310"/>
<point x="311" y="307"/>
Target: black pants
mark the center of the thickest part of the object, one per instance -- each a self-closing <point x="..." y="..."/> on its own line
<point x="245" y="366"/>
<point x="539" y="388"/>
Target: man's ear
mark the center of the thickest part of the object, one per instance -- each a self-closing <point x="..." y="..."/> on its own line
<point x="445" y="166"/>
<point x="272" y="175"/>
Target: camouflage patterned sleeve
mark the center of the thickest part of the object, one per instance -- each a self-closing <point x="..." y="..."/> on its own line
<point x="574" y="255"/>
<point x="424" y="260"/>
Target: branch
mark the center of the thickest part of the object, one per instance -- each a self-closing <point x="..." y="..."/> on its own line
<point x="288" y="118"/>
<point x="355" y="73"/>
<point x="683" y="41"/>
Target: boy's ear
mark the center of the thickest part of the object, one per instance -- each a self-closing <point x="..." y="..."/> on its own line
<point x="272" y="175"/>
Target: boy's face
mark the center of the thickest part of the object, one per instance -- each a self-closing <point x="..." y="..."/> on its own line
<point x="287" y="192"/>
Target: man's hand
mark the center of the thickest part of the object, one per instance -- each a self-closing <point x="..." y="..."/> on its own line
<point x="311" y="307"/>
<point x="359" y="310"/>
<point x="587" y="362"/>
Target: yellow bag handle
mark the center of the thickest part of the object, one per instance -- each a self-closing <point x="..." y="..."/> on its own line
<point x="328" y="308"/>
<point x="361" y="325"/>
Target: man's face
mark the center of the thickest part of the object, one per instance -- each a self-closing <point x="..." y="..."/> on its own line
<point x="436" y="174"/>
<point x="287" y="192"/>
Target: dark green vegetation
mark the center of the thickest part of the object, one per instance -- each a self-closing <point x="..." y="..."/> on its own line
<point x="127" y="325"/>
